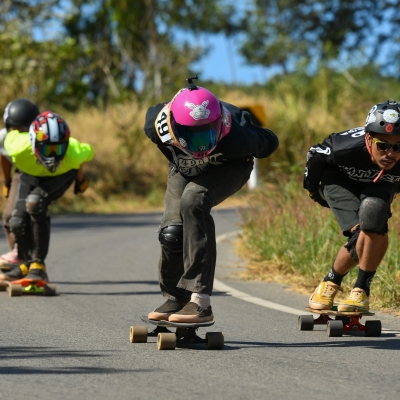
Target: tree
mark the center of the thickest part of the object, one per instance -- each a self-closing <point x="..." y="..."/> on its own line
<point x="289" y="33"/>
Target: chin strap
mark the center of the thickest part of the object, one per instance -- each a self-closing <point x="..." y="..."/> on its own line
<point x="370" y="153"/>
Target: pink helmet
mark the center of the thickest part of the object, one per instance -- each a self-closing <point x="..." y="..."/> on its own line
<point x="197" y="120"/>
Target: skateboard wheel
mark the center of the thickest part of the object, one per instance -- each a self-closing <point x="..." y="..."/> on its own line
<point x="306" y="322"/>
<point x="15" y="290"/>
<point x="50" y="290"/>
<point x="334" y="328"/>
<point x="373" y="328"/>
<point x="215" y="340"/>
<point x="166" y="341"/>
<point x="138" y="334"/>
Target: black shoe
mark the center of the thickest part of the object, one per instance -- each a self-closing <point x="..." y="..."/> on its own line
<point x="16" y="273"/>
<point x="165" y="310"/>
<point x="192" y="313"/>
<point x="37" y="271"/>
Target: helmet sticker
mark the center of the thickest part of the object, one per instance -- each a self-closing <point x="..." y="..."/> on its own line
<point x="200" y="111"/>
<point x="391" y="116"/>
<point x="371" y="116"/>
<point x="389" y="128"/>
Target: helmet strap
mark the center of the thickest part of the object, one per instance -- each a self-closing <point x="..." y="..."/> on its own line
<point x="370" y="153"/>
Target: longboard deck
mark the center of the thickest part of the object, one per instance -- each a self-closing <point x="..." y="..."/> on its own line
<point x="28" y="286"/>
<point x="176" y="324"/>
<point x="339" y="313"/>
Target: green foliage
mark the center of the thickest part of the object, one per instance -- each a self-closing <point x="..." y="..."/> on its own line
<point x="314" y="33"/>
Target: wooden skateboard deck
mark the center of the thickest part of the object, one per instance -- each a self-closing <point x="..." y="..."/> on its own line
<point x="185" y="333"/>
<point x="334" y="311"/>
<point x="176" y="324"/>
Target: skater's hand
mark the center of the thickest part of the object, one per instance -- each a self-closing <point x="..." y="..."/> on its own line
<point x="81" y="186"/>
<point x="6" y="188"/>
<point x="319" y="198"/>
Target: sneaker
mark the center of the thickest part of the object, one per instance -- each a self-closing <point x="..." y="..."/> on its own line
<point x="165" y="310"/>
<point x="18" y="272"/>
<point x="9" y="260"/>
<point x="37" y="272"/>
<point x="192" y="313"/>
<point x="323" y="296"/>
<point x="357" y="301"/>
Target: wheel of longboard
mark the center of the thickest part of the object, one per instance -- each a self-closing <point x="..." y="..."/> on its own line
<point x="334" y="328"/>
<point x="166" y="341"/>
<point x="306" y="322"/>
<point x="15" y="290"/>
<point x="138" y="334"/>
<point x="215" y="340"/>
<point x="343" y="318"/>
<point x="373" y="328"/>
<point x="50" y="290"/>
<point x="3" y="288"/>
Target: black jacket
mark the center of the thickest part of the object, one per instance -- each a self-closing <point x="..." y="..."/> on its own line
<point x="347" y="152"/>
<point x="244" y="140"/>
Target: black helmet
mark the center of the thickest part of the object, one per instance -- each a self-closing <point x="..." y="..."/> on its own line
<point x="20" y="112"/>
<point x="384" y="118"/>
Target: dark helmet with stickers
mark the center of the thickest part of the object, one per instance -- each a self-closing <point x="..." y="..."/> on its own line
<point x="20" y="112"/>
<point x="384" y="118"/>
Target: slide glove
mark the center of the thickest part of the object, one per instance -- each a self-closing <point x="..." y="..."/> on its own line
<point x="6" y="188"/>
<point x="81" y="186"/>
<point x="319" y="197"/>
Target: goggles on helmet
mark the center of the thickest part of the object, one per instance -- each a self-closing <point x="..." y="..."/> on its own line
<point x="47" y="150"/>
<point x="197" y="138"/>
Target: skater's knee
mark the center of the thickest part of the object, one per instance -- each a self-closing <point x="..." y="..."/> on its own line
<point x="193" y="198"/>
<point x="171" y="238"/>
<point x="35" y="203"/>
<point x="352" y="243"/>
<point x="17" y="224"/>
<point x="374" y="214"/>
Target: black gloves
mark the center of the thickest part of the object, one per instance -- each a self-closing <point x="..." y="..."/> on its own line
<point x="319" y="198"/>
<point x="81" y="186"/>
<point x="6" y="188"/>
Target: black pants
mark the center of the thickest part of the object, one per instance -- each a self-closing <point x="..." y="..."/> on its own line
<point x="188" y="202"/>
<point x="32" y="229"/>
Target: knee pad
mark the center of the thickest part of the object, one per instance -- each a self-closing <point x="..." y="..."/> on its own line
<point x="374" y="214"/>
<point x="171" y="238"/>
<point x="35" y="203"/>
<point x="17" y="225"/>
<point x="352" y="242"/>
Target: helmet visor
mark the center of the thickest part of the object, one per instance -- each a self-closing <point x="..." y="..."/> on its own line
<point x="199" y="138"/>
<point x="47" y="150"/>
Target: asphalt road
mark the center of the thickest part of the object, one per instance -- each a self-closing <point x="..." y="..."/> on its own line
<point x="76" y="345"/>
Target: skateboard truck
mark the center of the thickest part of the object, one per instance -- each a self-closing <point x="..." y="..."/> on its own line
<point x="338" y="322"/>
<point x="185" y="333"/>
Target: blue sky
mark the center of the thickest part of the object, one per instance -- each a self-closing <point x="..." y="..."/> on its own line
<point x="224" y="63"/>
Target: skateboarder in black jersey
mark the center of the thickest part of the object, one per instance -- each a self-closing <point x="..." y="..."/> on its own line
<point x="356" y="174"/>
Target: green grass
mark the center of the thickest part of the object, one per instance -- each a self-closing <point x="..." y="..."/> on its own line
<point x="290" y="239"/>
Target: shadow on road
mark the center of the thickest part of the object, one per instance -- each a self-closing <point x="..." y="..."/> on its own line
<point x="390" y="344"/>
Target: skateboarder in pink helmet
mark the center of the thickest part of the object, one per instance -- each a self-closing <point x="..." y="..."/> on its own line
<point x="210" y="146"/>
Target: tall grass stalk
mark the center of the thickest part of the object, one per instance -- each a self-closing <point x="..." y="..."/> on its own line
<point x="288" y="238"/>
